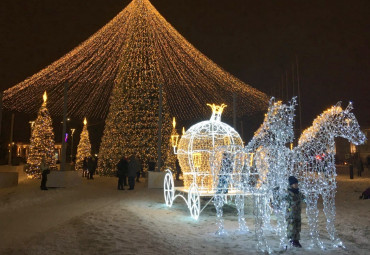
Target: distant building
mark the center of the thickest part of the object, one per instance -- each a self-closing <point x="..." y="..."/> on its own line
<point x="22" y="150"/>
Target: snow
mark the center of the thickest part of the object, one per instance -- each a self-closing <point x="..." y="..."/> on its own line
<point x="96" y="218"/>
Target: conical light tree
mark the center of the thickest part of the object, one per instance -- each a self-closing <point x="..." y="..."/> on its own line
<point x="84" y="147"/>
<point x="42" y="143"/>
<point x="189" y="78"/>
<point x="131" y="127"/>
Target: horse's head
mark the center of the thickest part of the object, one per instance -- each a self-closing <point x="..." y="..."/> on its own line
<point x="346" y="126"/>
<point x="280" y="120"/>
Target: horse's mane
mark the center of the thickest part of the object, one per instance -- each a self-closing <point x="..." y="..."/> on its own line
<point x="272" y="111"/>
<point x="320" y="120"/>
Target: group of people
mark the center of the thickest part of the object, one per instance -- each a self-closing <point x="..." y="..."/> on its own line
<point x="128" y="169"/>
<point x="89" y="167"/>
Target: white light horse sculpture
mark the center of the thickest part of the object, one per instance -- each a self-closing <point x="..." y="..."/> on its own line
<point x="315" y="167"/>
<point x="271" y="162"/>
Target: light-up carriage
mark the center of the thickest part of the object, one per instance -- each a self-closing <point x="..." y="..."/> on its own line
<point x="209" y="153"/>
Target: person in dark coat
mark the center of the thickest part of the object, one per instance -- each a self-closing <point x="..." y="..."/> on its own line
<point x="122" y="170"/>
<point x="133" y="167"/>
<point x="44" y="173"/>
<point x="178" y="170"/>
<point x="365" y="194"/>
<point x="84" y="167"/>
<point x="294" y="200"/>
<point x="91" y="166"/>
<point x="151" y="165"/>
<point x="138" y="172"/>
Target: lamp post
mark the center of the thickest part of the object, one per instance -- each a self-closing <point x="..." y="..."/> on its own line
<point x="72" y="132"/>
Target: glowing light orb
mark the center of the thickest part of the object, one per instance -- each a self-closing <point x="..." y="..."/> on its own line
<point x="199" y="147"/>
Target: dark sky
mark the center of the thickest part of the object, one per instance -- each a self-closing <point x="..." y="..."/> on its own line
<point x="257" y="41"/>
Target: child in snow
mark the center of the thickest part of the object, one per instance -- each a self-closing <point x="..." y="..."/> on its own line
<point x="294" y="199"/>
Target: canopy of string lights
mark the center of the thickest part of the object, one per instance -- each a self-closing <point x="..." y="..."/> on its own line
<point x="190" y="79"/>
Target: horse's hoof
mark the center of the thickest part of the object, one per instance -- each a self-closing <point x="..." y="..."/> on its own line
<point x="338" y="243"/>
<point x="221" y="232"/>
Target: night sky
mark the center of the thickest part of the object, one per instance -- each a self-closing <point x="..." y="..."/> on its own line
<point x="257" y="41"/>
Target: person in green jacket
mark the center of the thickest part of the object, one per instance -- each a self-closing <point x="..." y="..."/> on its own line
<point x="294" y="200"/>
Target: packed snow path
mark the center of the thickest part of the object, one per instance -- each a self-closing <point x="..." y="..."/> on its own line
<point x="96" y="218"/>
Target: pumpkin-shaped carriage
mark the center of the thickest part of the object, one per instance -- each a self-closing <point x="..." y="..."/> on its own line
<point x="211" y="157"/>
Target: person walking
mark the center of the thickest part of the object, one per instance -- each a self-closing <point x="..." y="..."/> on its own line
<point x="44" y="173"/>
<point x="91" y="167"/>
<point x="133" y="168"/>
<point x="122" y="170"/>
<point x="84" y="167"/>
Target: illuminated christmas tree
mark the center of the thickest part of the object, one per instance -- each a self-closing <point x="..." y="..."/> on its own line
<point x="131" y="127"/>
<point x="42" y="143"/>
<point x="119" y="69"/>
<point x="84" y="147"/>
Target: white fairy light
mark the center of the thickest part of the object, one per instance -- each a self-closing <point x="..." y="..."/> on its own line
<point x="265" y="174"/>
<point x="314" y="165"/>
<point x="199" y="148"/>
<point x="215" y="163"/>
<point x="207" y="156"/>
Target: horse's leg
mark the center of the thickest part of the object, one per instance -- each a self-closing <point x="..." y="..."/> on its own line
<point x="329" y="210"/>
<point x="258" y="212"/>
<point x="312" y="214"/>
<point x="266" y="213"/>
<point x="239" y="201"/>
<point x="218" y="201"/>
<point x="279" y="210"/>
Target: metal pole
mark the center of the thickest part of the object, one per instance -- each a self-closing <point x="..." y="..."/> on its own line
<point x="63" y="161"/>
<point x="11" y="140"/>
<point x="1" y="109"/>
<point x="234" y="110"/>
<point x="72" y="132"/>
<point x="299" y="96"/>
<point x="159" y="151"/>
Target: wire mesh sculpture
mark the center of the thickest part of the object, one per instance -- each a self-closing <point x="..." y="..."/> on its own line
<point x="314" y="165"/>
<point x="200" y="149"/>
<point x="261" y="169"/>
<point x="268" y="167"/>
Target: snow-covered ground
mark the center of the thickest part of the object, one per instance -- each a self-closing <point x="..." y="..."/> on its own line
<point x="96" y="218"/>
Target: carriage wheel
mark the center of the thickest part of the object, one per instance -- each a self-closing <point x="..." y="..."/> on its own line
<point x="194" y="201"/>
<point x="169" y="188"/>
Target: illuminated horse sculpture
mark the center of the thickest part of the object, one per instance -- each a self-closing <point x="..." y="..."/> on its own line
<point x="270" y="160"/>
<point x="315" y="167"/>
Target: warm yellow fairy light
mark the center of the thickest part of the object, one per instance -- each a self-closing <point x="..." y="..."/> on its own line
<point x="201" y="148"/>
<point x="94" y="66"/>
<point x="174" y="122"/>
<point x="183" y="130"/>
<point x="251" y="159"/>
<point x="174" y="140"/>
<point x="85" y="121"/>
<point x="45" y="97"/>
<point x="197" y="159"/>
<point x="217" y="109"/>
